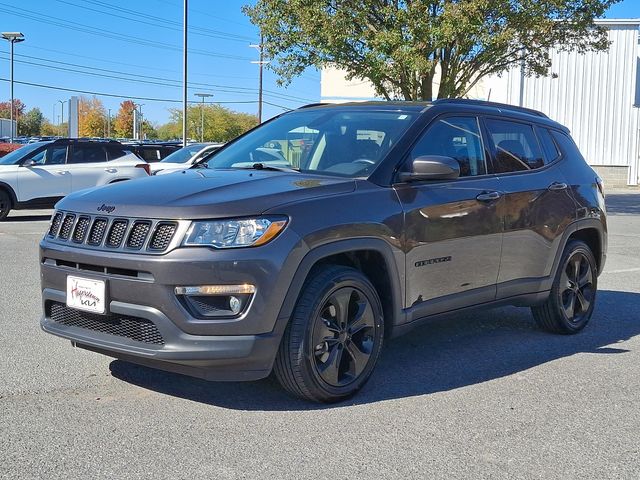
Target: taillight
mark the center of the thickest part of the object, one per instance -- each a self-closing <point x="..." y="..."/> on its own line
<point x="600" y="184"/>
<point x="145" y="167"/>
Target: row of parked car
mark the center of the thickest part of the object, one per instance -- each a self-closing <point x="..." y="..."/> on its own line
<point x="39" y="174"/>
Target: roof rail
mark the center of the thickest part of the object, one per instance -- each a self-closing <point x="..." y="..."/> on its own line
<point x="484" y="103"/>
<point x="317" y="104"/>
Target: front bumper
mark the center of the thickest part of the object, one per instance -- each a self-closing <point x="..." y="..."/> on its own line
<point x="241" y="348"/>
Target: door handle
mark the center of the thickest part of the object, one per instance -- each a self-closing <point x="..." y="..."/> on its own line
<point x="488" y="196"/>
<point x="111" y="170"/>
<point x="63" y="172"/>
<point x="558" y="186"/>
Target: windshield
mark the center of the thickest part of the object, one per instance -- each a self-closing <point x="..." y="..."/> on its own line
<point x="17" y="155"/>
<point x="341" y="141"/>
<point x="184" y="154"/>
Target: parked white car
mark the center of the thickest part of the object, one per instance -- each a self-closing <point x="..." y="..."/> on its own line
<point x="183" y="158"/>
<point x="39" y="174"/>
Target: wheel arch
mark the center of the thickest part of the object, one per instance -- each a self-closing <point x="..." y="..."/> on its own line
<point x="9" y="189"/>
<point x="373" y="257"/>
<point x="592" y="232"/>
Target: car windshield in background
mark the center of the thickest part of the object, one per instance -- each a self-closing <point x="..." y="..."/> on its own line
<point x="17" y="155"/>
<point x="345" y="142"/>
<point x="184" y="154"/>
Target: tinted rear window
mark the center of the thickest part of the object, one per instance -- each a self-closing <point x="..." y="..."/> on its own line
<point x="516" y="145"/>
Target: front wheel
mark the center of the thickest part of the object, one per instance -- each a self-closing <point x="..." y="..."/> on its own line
<point x="334" y="338"/>
<point x="573" y="294"/>
<point x="5" y="204"/>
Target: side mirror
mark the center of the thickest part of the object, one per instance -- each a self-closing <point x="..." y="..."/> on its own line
<point x="29" y="163"/>
<point x="431" y="167"/>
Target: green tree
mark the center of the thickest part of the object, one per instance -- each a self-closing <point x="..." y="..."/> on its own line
<point x="401" y="45"/>
<point x="220" y="123"/>
<point x="31" y="123"/>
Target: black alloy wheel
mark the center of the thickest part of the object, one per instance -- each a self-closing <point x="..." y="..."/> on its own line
<point x="343" y="337"/>
<point x="577" y="283"/>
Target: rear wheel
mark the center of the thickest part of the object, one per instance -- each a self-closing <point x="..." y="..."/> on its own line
<point x="5" y="204"/>
<point x="334" y="338"/>
<point x="572" y="299"/>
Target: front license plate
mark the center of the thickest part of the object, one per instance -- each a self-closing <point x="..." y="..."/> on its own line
<point x="86" y="294"/>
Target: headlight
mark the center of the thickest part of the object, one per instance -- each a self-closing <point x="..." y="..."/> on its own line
<point x="244" y="232"/>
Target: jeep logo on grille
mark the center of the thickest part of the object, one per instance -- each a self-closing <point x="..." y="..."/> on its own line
<point x="106" y="208"/>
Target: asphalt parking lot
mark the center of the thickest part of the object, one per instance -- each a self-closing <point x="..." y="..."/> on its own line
<point x="486" y="395"/>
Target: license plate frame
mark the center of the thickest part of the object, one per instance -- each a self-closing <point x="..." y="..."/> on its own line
<point x="87" y="294"/>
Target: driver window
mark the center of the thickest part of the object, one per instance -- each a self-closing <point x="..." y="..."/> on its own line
<point x="458" y="138"/>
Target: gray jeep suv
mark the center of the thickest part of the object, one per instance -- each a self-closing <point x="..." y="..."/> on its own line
<point x="301" y="246"/>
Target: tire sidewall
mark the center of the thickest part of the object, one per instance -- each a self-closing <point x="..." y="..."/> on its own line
<point x="4" y="196"/>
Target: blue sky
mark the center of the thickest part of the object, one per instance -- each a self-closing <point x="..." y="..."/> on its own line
<point x="133" y="49"/>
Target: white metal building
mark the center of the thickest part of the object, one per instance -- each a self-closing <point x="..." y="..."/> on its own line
<point x="596" y="95"/>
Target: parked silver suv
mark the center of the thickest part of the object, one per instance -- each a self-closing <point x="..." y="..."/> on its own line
<point x="383" y="216"/>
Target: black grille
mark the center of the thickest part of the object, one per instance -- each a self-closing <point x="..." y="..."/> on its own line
<point x="138" y="235"/>
<point x="162" y="236"/>
<point x="116" y="233"/>
<point x="81" y="229"/>
<point x="67" y="224"/>
<point x="97" y="231"/>
<point x="138" y="329"/>
<point x="55" y="224"/>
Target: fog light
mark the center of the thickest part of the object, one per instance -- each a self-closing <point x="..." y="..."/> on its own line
<point x="235" y="304"/>
<point x="209" y="301"/>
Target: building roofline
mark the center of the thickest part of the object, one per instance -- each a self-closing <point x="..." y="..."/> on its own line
<point x="617" y="21"/>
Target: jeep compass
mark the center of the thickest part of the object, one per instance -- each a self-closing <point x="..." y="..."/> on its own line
<point x="306" y="243"/>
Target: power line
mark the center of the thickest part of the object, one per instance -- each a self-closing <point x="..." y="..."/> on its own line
<point x="146" y="79"/>
<point x="131" y="97"/>
<point x="107" y="33"/>
<point x="143" y="18"/>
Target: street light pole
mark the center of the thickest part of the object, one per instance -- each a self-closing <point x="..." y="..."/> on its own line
<point x="203" y="96"/>
<point x="13" y="38"/>
<point x="261" y="62"/>
<point x="62" y="102"/>
<point x="184" y="75"/>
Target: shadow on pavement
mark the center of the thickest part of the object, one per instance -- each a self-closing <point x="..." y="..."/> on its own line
<point x="445" y="355"/>
<point x="628" y="203"/>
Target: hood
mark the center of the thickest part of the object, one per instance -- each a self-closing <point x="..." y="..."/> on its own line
<point x="200" y="193"/>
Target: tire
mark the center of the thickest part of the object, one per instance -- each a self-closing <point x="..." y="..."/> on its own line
<point x="326" y="356"/>
<point x="573" y="293"/>
<point x="5" y="204"/>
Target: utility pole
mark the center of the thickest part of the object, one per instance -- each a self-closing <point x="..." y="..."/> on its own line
<point x="184" y="75"/>
<point x="261" y="62"/>
<point x="109" y="124"/>
<point x="13" y="38"/>
<point x="203" y="96"/>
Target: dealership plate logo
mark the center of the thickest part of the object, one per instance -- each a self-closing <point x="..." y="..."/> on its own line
<point x="86" y="294"/>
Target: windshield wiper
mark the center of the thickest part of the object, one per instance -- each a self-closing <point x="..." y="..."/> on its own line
<point x="265" y="166"/>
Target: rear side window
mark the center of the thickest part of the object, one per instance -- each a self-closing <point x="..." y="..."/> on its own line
<point x="516" y="145"/>
<point x="549" y="147"/>
<point x="88" y="154"/>
<point x="455" y="137"/>
<point x="150" y="154"/>
<point x="567" y="145"/>
<point x="115" y="152"/>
